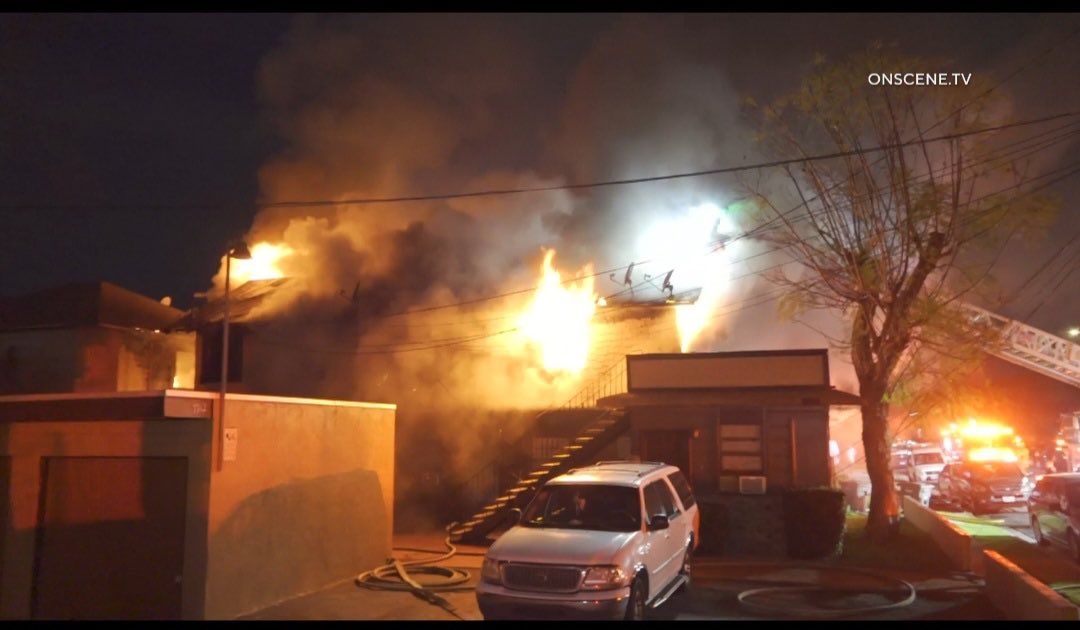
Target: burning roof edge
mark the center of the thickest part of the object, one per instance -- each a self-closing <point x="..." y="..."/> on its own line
<point x="243" y="301"/>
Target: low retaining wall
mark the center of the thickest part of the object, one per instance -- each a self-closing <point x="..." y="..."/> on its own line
<point x="1012" y="590"/>
<point x="957" y="544"/>
<point x="1021" y="596"/>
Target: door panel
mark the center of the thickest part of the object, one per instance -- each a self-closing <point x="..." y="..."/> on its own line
<point x="111" y="538"/>
<point x="670" y="447"/>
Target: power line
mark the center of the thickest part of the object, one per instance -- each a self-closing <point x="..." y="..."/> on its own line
<point x="656" y="178"/>
<point x="768" y="296"/>
<point x="992" y="156"/>
<point x="455" y="340"/>
<point x="577" y="186"/>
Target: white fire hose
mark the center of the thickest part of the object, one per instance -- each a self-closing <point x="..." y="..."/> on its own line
<point x="751" y="599"/>
<point x="397" y="575"/>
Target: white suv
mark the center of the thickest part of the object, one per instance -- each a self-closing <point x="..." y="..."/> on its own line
<point x="925" y="464"/>
<point x="607" y="540"/>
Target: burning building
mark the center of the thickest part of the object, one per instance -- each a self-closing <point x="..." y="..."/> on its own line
<point x="92" y="337"/>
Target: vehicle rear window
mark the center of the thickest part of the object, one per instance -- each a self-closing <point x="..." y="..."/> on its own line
<point x="921" y="459"/>
<point x="996" y="469"/>
<point x="682" y="488"/>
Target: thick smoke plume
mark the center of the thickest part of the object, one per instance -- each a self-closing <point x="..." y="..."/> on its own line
<point x="389" y="106"/>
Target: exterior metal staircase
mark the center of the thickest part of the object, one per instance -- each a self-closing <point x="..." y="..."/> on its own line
<point x="598" y="434"/>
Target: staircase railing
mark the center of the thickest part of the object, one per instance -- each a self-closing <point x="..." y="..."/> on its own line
<point x="485" y="483"/>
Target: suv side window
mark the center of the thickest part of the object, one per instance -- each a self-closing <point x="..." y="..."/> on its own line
<point x="682" y="487"/>
<point x="658" y="500"/>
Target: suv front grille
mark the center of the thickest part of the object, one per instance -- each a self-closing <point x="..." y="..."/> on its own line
<point x="542" y="577"/>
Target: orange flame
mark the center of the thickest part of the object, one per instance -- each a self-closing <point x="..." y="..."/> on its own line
<point x="264" y="264"/>
<point x="557" y="320"/>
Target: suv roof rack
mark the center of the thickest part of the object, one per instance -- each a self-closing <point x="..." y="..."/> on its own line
<point x="621" y="461"/>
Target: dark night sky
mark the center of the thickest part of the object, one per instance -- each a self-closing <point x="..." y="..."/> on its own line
<point x="124" y="116"/>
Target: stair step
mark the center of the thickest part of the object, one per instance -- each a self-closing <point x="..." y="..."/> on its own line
<point x="561" y="456"/>
<point x="494" y="506"/>
<point x="584" y="438"/>
<point x="539" y="473"/>
<point x="516" y="491"/>
<point x="574" y="447"/>
<point x="550" y="464"/>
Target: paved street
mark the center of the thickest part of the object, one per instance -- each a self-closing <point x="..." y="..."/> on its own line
<point x="714" y="596"/>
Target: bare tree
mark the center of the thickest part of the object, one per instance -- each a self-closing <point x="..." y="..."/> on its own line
<point x="908" y="218"/>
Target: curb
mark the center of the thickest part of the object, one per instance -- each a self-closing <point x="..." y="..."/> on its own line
<point x="1015" y="592"/>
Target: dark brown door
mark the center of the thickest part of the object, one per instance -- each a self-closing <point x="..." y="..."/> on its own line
<point x="670" y="447"/>
<point x="111" y="540"/>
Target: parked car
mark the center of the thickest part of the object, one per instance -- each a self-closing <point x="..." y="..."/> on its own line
<point x="607" y="540"/>
<point x="1054" y="506"/>
<point x="925" y="464"/>
<point x="983" y="487"/>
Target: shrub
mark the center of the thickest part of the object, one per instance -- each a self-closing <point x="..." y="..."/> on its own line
<point x="814" y="521"/>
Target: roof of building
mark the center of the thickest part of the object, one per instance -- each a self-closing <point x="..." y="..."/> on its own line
<point x="85" y="304"/>
<point x="243" y="302"/>
<point x="142" y="405"/>
<point x="735" y="397"/>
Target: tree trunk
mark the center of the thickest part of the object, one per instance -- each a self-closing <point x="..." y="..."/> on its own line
<point x="884" y="503"/>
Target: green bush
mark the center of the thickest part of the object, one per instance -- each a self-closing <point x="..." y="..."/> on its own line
<point x="814" y="521"/>
<point x="713" y="529"/>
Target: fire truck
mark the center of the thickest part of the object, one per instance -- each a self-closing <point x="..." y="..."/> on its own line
<point x="992" y="441"/>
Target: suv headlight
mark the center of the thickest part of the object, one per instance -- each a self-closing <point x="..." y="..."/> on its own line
<point x="489" y="571"/>
<point x="602" y="578"/>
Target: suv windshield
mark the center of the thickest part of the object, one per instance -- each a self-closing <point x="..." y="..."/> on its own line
<point x="921" y="459"/>
<point x="597" y="507"/>
<point x="996" y="469"/>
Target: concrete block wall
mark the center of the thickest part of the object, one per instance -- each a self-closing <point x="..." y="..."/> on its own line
<point x="1012" y="590"/>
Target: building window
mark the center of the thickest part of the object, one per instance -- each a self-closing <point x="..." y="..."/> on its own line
<point x="741" y="448"/>
<point x="210" y="357"/>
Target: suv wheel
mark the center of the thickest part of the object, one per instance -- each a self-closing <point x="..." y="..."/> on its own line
<point x="1037" y="531"/>
<point x="635" y="608"/>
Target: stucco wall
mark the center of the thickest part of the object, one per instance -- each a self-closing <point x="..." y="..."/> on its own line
<point x="92" y="359"/>
<point x="24" y="444"/>
<point x="307" y="502"/>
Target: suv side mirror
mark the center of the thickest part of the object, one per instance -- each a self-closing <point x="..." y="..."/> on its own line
<point x="515" y="516"/>
<point x="658" y="522"/>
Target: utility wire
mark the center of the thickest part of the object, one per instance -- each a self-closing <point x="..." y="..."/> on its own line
<point x="443" y="343"/>
<point x="578" y="186"/>
<point x="1026" y="151"/>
